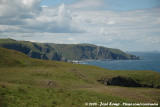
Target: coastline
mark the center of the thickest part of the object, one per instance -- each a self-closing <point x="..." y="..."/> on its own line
<point x="145" y="63"/>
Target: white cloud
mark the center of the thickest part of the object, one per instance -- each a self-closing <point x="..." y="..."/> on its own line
<point x="71" y="39"/>
<point x="29" y="16"/>
<point x="82" y="22"/>
<point x="60" y="20"/>
<point x="44" y="6"/>
<point x="19" y="8"/>
<point x="110" y="22"/>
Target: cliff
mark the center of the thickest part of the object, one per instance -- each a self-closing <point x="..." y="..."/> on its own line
<point x="64" y="52"/>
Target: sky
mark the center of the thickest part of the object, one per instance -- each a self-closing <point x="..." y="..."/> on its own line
<point x="129" y="25"/>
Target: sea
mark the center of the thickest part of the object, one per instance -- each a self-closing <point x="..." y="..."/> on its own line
<point x="148" y="61"/>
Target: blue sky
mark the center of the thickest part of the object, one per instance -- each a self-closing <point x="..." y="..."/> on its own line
<point x="125" y="5"/>
<point x="129" y="25"/>
<point x="120" y="5"/>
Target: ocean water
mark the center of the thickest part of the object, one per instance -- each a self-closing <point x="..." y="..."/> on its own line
<point x="149" y="61"/>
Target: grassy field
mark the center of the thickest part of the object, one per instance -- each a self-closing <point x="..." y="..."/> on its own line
<point x="27" y="82"/>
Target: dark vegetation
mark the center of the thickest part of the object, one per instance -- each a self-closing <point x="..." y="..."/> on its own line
<point x="126" y="81"/>
<point x="64" y="52"/>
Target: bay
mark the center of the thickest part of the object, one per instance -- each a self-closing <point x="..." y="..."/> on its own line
<point x="148" y="61"/>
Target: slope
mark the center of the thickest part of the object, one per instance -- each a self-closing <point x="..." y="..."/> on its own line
<point x="43" y="83"/>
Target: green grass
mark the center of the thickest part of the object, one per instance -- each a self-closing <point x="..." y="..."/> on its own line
<point x="42" y="83"/>
<point x="48" y="97"/>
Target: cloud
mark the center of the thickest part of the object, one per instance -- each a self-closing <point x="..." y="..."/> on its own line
<point x="27" y="16"/>
<point x="84" y="21"/>
<point x="70" y="39"/>
<point x="64" y="21"/>
<point x="110" y="22"/>
<point x="57" y="20"/>
<point x="19" y="8"/>
<point x="44" y="6"/>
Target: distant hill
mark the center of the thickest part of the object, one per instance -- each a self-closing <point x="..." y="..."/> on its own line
<point x="90" y="52"/>
<point x="63" y="52"/>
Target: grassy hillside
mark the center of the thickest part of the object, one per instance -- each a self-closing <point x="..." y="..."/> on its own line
<point x="27" y="82"/>
<point x="61" y="52"/>
<point x="12" y="58"/>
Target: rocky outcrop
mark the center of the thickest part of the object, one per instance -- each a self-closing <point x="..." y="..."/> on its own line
<point x="120" y="81"/>
<point x="126" y="82"/>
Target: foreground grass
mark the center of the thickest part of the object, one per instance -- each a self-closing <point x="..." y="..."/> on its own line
<point x="70" y="86"/>
<point x="16" y="96"/>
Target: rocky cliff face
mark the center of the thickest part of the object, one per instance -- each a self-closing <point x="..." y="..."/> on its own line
<point x="62" y="52"/>
<point x="90" y="52"/>
<point x="38" y="51"/>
